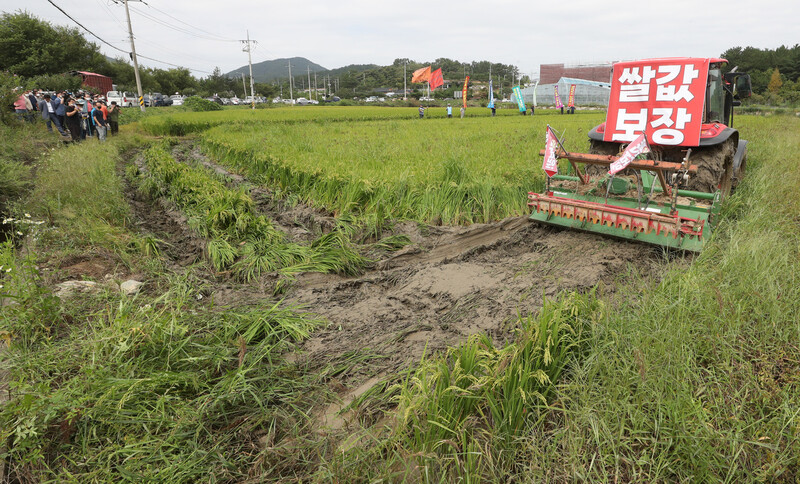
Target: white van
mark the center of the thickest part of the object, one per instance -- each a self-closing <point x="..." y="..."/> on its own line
<point x="123" y="99"/>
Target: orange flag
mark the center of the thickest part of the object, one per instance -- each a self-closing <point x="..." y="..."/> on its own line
<point x="421" y="75"/>
<point x="436" y="79"/>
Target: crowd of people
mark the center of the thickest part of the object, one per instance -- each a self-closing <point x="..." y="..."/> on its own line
<point x="77" y="116"/>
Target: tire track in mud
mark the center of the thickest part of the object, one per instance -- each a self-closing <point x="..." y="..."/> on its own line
<point x="478" y="279"/>
<point x="449" y="283"/>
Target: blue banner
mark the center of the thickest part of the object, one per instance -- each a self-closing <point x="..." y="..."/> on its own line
<point x="520" y="101"/>
<point x="491" y="96"/>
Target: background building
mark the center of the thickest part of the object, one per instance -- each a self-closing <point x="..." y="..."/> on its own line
<point x="551" y="73"/>
<point x="587" y="93"/>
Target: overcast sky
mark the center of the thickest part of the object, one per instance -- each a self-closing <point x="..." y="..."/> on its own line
<point x="337" y="33"/>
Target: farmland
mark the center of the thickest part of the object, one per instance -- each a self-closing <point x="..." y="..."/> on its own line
<point x="355" y="294"/>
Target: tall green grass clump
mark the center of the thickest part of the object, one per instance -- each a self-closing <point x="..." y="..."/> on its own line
<point x="155" y="389"/>
<point x="239" y="238"/>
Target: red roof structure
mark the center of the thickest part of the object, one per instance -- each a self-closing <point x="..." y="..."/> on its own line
<point x="101" y="83"/>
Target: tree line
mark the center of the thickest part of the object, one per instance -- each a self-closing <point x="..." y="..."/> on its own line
<point x="775" y="73"/>
<point x="42" y="53"/>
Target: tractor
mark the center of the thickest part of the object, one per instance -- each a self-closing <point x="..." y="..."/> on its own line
<point x="669" y="189"/>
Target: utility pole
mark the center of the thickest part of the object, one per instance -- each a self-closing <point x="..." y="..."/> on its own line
<point x="244" y="86"/>
<point x="133" y="56"/>
<point x="291" y="95"/>
<point x="308" y="69"/>
<point x="316" y="94"/>
<point x="405" y="89"/>
<point x="248" y="44"/>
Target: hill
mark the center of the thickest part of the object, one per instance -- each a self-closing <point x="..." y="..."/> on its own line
<point x="271" y="70"/>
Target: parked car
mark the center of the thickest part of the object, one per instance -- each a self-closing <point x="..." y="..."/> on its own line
<point x="159" y="99"/>
<point x="177" y="100"/>
<point x="123" y="98"/>
<point x="215" y="99"/>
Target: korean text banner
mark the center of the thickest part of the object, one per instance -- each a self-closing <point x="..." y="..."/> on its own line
<point x="491" y="95"/>
<point x="634" y="149"/>
<point x="571" y="98"/>
<point x="559" y="104"/>
<point x="520" y="100"/>
<point x="662" y="97"/>
<point x="421" y="75"/>
<point x="550" y="162"/>
<point x="464" y="92"/>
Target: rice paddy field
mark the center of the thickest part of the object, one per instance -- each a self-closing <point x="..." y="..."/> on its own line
<point x="436" y="170"/>
<point x="354" y="294"/>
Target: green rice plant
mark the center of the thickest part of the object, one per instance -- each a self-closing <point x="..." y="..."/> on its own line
<point x="462" y="413"/>
<point x="239" y="238"/>
<point x="439" y="171"/>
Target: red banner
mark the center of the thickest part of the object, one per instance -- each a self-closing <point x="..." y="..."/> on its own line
<point x="464" y="93"/>
<point x="663" y="97"/>
<point x="550" y="162"/>
<point x="436" y="79"/>
<point x="559" y="104"/>
<point x="634" y="149"/>
<point x="421" y="75"/>
<point x="571" y="99"/>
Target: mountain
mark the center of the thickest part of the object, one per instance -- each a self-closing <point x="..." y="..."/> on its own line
<point x="271" y="70"/>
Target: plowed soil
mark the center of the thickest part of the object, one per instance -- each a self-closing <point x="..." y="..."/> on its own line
<point x="450" y="282"/>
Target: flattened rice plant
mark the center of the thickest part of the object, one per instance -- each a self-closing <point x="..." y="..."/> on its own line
<point x="240" y="238"/>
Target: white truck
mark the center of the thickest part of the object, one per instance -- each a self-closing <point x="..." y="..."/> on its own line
<point x="123" y="99"/>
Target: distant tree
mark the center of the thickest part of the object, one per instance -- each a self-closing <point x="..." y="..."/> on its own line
<point x="775" y="81"/>
<point x="32" y="47"/>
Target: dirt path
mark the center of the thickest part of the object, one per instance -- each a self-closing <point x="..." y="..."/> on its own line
<point x="449" y="283"/>
<point x="473" y="279"/>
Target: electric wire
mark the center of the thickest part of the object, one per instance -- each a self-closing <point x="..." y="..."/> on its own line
<point x="221" y="39"/>
<point x="174" y="27"/>
<point x="117" y="48"/>
<point x="84" y="28"/>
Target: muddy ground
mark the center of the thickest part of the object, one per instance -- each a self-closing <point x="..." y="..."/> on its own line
<point x="449" y="283"/>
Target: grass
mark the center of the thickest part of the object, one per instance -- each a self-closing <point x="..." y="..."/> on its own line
<point x="184" y="123"/>
<point x="163" y="386"/>
<point x="694" y="377"/>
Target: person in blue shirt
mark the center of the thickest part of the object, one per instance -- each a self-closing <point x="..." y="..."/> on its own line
<point x="99" y="121"/>
<point x="449" y="111"/>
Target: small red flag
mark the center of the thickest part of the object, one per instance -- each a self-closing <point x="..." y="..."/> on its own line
<point x="634" y="149"/>
<point x="436" y="79"/>
<point x="550" y="162"/>
<point x="421" y="75"/>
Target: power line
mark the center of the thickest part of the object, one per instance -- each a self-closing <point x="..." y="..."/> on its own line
<point x="221" y="39"/>
<point x="176" y="28"/>
<point x="117" y="48"/>
<point x="84" y="28"/>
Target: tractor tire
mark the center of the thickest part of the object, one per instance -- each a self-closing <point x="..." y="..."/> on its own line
<point x="601" y="148"/>
<point x="714" y="168"/>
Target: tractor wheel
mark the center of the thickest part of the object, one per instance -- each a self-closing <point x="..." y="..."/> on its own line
<point x="739" y="173"/>
<point x="714" y="168"/>
<point x="601" y="148"/>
